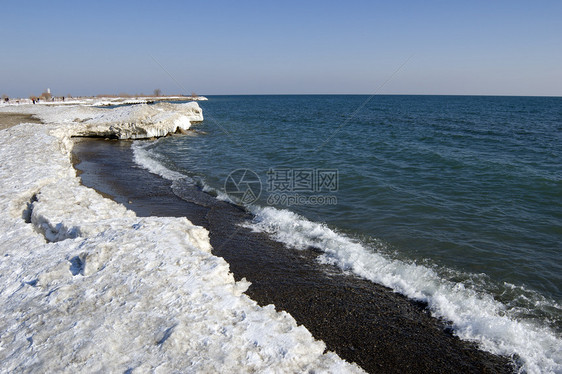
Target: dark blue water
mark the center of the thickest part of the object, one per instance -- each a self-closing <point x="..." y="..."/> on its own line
<point x="467" y="188"/>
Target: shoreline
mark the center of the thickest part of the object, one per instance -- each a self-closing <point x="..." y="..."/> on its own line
<point x="58" y="207"/>
<point x="361" y="321"/>
<point x="87" y="285"/>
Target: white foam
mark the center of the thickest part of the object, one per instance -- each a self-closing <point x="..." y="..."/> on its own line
<point x="154" y="163"/>
<point x="86" y="286"/>
<point x="219" y="194"/>
<point x="475" y="316"/>
<point x="146" y="159"/>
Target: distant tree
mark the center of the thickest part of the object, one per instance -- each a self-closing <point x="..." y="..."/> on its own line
<point x="157" y="92"/>
<point x="5" y="98"/>
<point x="46" y="95"/>
<point x="193" y="94"/>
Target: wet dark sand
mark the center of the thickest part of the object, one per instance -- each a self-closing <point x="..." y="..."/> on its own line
<point x="11" y="119"/>
<point x="365" y="323"/>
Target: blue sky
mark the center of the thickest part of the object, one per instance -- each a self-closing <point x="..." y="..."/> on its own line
<point x="265" y="47"/>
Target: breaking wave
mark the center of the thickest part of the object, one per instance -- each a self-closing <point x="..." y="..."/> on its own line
<point x="474" y="315"/>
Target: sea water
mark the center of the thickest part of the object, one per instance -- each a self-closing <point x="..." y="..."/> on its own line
<point x="453" y="200"/>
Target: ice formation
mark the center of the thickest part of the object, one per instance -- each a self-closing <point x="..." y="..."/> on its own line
<point x="142" y="121"/>
<point x="86" y="285"/>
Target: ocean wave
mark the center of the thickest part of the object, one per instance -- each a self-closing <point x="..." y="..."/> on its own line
<point x="474" y="315"/>
<point x="153" y="162"/>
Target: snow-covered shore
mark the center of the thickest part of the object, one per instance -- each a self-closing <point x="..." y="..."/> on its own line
<point x="101" y="100"/>
<point x="86" y="285"/>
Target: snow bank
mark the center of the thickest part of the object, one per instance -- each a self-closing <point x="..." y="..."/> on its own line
<point x="142" y="121"/>
<point x="85" y="285"/>
<point x="101" y="101"/>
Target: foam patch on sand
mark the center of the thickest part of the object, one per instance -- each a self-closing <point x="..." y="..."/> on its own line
<point x="86" y="285"/>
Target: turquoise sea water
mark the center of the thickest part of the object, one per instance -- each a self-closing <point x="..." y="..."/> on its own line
<point x="469" y="188"/>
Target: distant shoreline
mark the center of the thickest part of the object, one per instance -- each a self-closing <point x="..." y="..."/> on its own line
<point x="99" y="100"/>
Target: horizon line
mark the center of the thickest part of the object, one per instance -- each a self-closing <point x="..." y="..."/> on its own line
<point x="371" y="94"/>
<point x="300" y="94"/>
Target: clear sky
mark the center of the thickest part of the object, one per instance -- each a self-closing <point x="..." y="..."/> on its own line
<point x="265" y="47"/>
